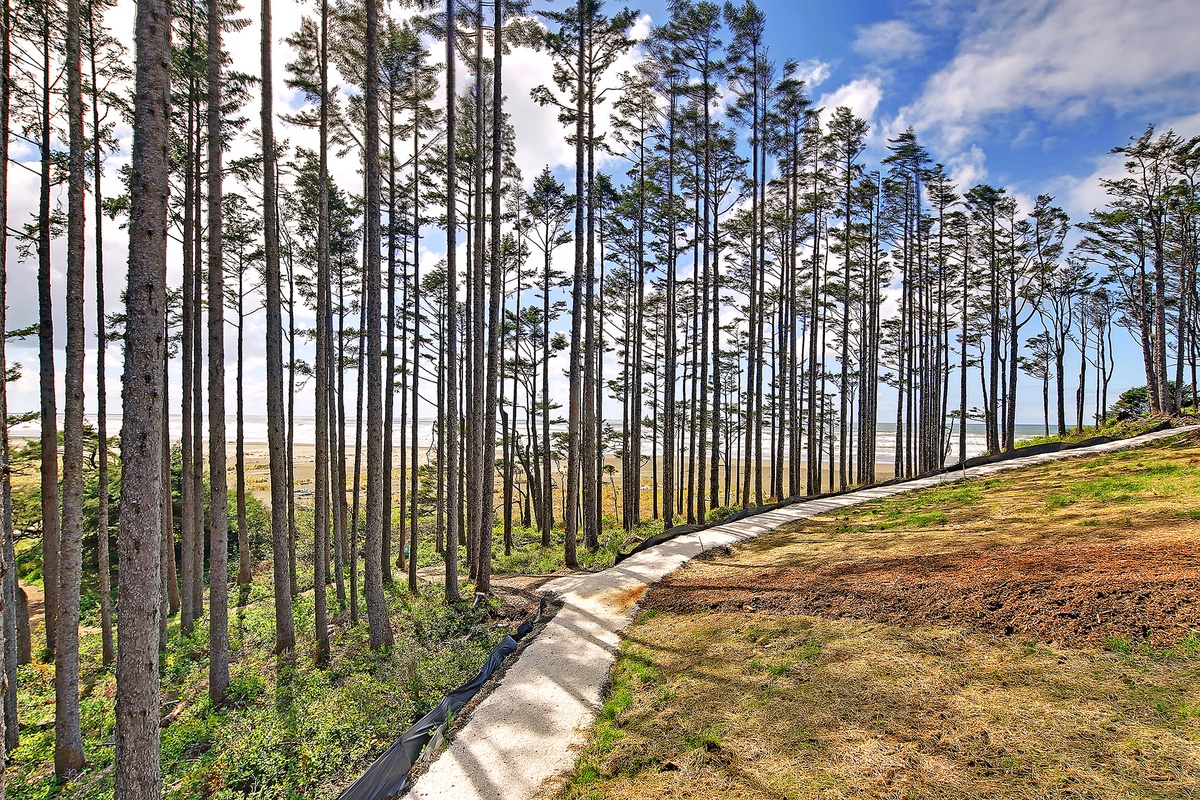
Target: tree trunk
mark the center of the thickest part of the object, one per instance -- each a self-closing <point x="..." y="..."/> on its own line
<point x="293" y="578"/>
<point x="9" y="590"/>
<point x="140" y="533"/>
<point x="337" y="446"/>
<point x="188" y="500"/>
<point x="244" y="574"/>
<point x="285" y="630"/>
<point x="476" y="462"/>
<point x="377" y="612"/>
<point x="389" y="373"/>
<point x="171" y="600"/>
<point x="356" y="491"/>
<point x="449" y="411"/>
<point x="577" y="352"/>
<point x="321" y="498"/>
<point x="668" y="325"/>
<point x="547" y="520"/>
<point x="197" y="388"/>
<point x="103" y="557"/>
<point x="49" y="411"/>
<point x="483" y="579"/>
<point x="218" y="559"/>
<point x="415" y="369"/>
<point x="68" y="737"/>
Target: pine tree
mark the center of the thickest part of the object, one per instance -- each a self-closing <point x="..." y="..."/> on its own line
<point x="140" y="532"/>
<point x="8" y="572"/>
<point x="218" y="620"/>
<point x="285" y="632"/>
<point x="448" y="407"/>
<point x="68" y="737"/>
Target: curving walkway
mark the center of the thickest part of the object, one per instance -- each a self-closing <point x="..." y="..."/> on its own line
<point x="524" y="732"/>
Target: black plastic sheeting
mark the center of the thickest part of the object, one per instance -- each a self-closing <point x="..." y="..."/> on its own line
<point x="977" y="461"/>
<point x="389" y="775"/>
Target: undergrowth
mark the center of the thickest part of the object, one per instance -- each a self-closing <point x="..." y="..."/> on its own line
<point x="290" y="729"/>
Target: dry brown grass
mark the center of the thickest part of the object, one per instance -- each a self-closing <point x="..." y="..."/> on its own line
<point x="783" y="706"/>
<point x="755" y="704"/>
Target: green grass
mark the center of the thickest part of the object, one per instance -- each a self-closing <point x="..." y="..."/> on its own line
<point x="635" y="673"/>
<point x="289" y="729"/>
<point x="528" y="557"/>
<point x="1113" y="428"/>
<point x="1141" y="478"/>
<point x="773" y="705"/>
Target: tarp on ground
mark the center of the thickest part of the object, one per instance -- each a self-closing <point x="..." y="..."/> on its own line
<point x="389" y="775"/>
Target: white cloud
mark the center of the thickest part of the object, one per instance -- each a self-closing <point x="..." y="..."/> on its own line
<point x="888" y="41"/>
<point x="541" y="138"/>
<point x="862" y="96"/>
<point x="813" y="72"/>
<point x="1061" y="59"/>
<point x="1080" y="195"/>
<point x="968" y="167"/>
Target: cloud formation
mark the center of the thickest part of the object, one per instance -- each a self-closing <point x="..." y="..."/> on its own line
<point x="1061" y="59"/>
<point x="888" y="41"/>
<point x="862" y="96"/>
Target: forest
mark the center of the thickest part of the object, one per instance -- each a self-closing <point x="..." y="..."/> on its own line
<point x="741" y="311"/>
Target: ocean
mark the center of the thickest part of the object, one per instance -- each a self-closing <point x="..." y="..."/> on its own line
<point x="305" y="434"/>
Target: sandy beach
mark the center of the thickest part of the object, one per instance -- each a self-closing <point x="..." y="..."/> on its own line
<point x="258" y="474"/>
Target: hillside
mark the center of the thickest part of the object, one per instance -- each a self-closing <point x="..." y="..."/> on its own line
<point x="1031" y="634"/>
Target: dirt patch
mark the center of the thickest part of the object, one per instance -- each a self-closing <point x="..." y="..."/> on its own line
<point x="1069" y="594"/>
<point x="624" y="599"/>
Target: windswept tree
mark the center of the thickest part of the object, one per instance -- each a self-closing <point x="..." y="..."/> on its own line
<point x="846" y="139"/>
<point x="1132" y="239"/>
<point x="549" y="209"/>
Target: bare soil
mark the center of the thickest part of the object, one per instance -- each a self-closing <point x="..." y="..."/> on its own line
<point x="1070" y="594"/>
<point x="1035" y="634"/>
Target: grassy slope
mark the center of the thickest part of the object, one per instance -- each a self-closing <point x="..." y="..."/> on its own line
<point x="292" y="730"/>
<point x="725" y="705"/>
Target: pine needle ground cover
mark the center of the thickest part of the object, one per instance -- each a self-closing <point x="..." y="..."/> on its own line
<point x="1032" y="635"/>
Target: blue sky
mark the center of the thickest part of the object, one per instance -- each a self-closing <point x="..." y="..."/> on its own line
<point x="1029" y="95"/>
<point x="1026" y="94"/>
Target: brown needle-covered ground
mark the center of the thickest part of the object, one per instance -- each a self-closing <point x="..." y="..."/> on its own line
<point x="1033" y="635"/>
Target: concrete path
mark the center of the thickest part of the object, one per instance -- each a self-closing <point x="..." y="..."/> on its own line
<point x="523" y="732"/>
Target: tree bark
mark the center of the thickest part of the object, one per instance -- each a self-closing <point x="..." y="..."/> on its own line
<point x="103" y="557"/>
<point x="377" y="483"/>
<point x="218" y="559"/>
<point x="449" y="410"/>
<point x="244" y="574"/>
<point x="321" y="500"/>
<point x="68" y="737"/>
<point x="49" y="412"/>
<point x="574" y="374"/>
<point x="285" y="630"/>
<point x="140" y="533"/>
<point x="415" y="369"/>
<point x="483" y="576"/>
<point x="8" y="580"/>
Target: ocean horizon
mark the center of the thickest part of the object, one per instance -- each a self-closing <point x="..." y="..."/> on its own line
<point x="255" y="433"/>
